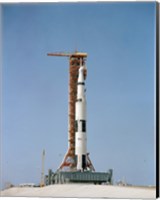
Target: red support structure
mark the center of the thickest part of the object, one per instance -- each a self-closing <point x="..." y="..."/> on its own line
<point x="75" y="59"/>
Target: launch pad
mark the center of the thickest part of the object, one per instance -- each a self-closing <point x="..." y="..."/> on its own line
<point x="61" y="177"/>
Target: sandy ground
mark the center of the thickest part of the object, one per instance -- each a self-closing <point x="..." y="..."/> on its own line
<point x="81" y="190"/>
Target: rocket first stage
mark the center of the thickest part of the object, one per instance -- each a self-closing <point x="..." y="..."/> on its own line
<point x="80" y="122"/>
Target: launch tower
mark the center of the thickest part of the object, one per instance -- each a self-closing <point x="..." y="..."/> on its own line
<point x="76" y="166"/>
<point x="76" y="60"/>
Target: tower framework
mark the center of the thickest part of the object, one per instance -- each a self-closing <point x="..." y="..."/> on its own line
<point x="75" y="60"/>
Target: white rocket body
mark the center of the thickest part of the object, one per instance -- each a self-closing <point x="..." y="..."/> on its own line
<point x="80" y="121"/>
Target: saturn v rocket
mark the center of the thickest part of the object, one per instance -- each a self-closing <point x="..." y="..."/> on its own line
<point x="80" y="123"/>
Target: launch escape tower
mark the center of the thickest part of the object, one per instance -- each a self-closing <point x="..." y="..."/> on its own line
<point x="76" y="60"/>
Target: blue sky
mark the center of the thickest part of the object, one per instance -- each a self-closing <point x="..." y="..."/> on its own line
<point x="120" y="41"/>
